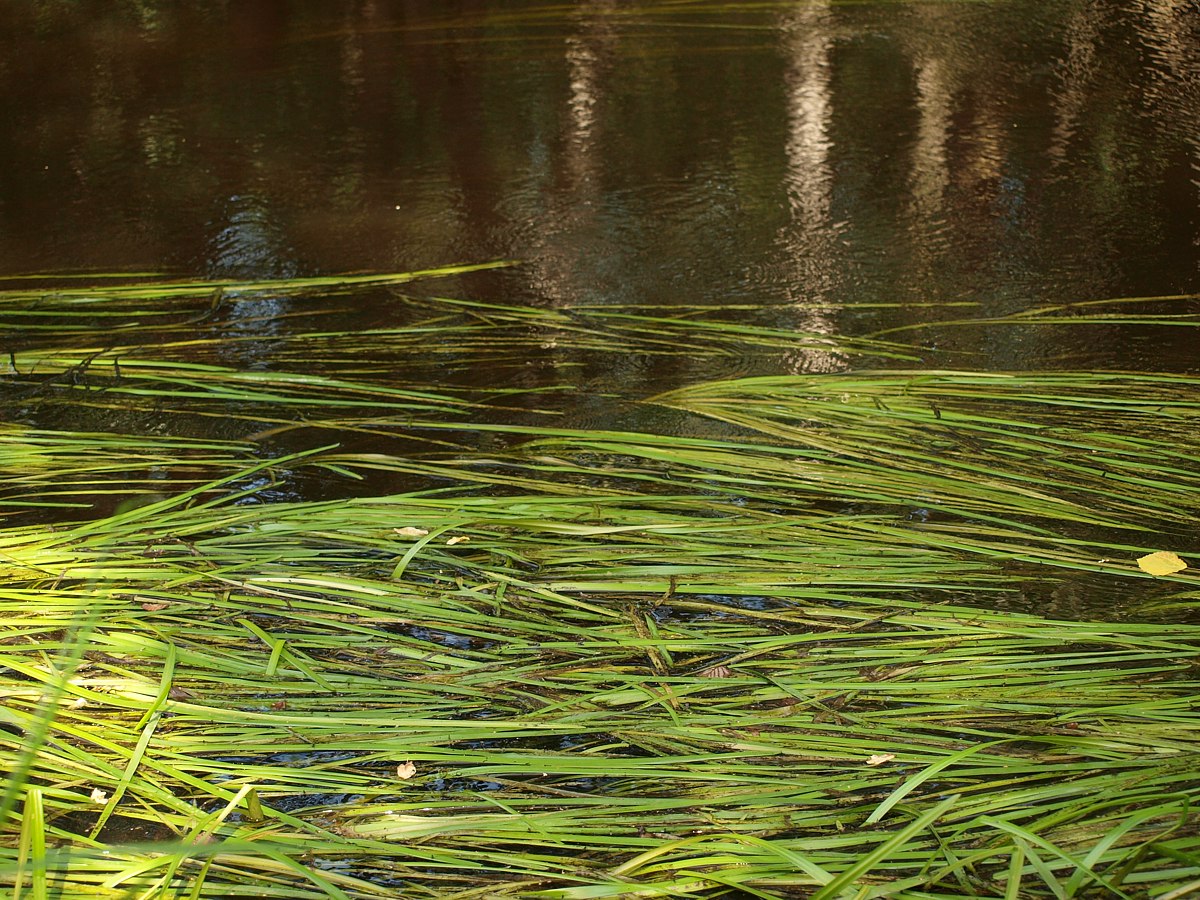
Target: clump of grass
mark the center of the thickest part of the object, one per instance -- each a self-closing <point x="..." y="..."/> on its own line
<point x="803" y="654"/>
<point x="71" y="470"/>
<point x="669" y="699"/>
<point x="1109" y="448"/>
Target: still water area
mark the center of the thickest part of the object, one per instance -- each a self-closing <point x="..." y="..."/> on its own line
<point x="856" y="169"/>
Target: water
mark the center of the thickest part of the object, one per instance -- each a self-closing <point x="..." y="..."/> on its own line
<point x="852" y="166"/>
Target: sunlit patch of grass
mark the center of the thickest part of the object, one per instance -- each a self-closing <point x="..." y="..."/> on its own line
<point x="673" y="694"/>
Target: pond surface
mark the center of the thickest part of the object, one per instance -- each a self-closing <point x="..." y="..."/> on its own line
<point x="852" y="166"/>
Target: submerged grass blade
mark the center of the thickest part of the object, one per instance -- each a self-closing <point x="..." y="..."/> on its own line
<point x="143" y="290"/>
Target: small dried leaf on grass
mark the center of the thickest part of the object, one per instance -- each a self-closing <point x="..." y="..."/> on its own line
<point x="1163" y="562"/>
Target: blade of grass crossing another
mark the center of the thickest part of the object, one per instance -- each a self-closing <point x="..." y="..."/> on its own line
<point x="1030" y="840"/>
<point x="833" y="889"/>
<point x="32" y="852"/>
<point x="147" y="724"/>
<point x="911" y="784"/>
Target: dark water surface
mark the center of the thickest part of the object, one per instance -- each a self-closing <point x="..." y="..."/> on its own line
<point x="822" y="158"/>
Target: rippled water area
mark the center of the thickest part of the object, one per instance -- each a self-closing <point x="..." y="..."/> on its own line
<point x="855" y="167"/>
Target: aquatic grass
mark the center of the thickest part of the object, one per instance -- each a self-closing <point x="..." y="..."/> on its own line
<point x="140" y="287"/>
<point x="68" y="336"/>
<point x="933" y="433"/>
<point x="841" y="639"/>
<point x="58" y="469"/>
<point x="764" y="742"/>
<point x="174" y="381"/>
<point x="1167" y="310"/>
<point x="678" y="330"/>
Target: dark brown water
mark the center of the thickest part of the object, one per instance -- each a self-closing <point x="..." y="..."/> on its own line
<point x="819" y="157"/>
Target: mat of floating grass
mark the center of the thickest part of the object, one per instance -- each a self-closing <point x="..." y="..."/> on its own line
<point x="66" y="333"/>
<point x="561" y="694"/>
<point x="820" y="655"/>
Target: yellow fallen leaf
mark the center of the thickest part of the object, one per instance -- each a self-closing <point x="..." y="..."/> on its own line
<point x="878" y="759"/>
<point x="406" y="770"/>
<point x="457" y="539"/>
<point x="1161" y="563"/>
<point x="409" y="531"/>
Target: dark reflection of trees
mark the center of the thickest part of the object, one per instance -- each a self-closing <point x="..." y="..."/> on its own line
<point x="450" y="88"/>
<point x="810" y="261"/>
<point x="1007" y="153"/>
<point x="256" y="33"/>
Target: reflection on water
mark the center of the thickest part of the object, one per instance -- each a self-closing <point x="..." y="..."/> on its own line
<point x="853" y="166"/>
<point x="808" y="240"/>
<point x="809" y="179"/>
<point x="249" y="244"/>
<point x="566" y="210"/>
